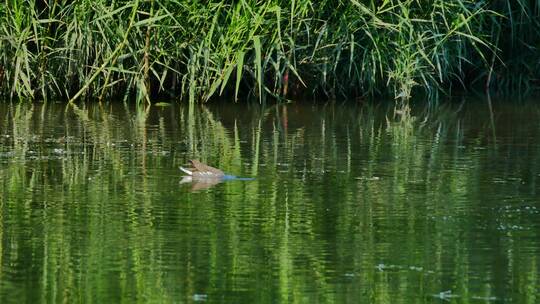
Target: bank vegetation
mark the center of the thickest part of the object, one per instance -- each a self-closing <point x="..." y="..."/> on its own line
<point x="197" y="50"/>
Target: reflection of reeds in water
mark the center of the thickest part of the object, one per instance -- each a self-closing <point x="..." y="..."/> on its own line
<point x="342" y="195"/>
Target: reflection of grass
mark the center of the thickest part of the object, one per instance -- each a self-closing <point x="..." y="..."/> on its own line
<point x="348" y="203"/>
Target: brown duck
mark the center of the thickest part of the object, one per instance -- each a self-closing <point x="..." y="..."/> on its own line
<point x="201" y="170"/>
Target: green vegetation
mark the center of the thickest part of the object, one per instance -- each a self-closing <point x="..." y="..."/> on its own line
<point x="347" y="205"/>
<point x="199" y="49"/>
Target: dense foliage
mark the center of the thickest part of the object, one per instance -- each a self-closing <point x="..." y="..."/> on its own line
<point x="199" y="49"/>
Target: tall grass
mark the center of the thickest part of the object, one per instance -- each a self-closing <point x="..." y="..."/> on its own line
<point x="199" y="49"/>
<point x="517" y="36"/>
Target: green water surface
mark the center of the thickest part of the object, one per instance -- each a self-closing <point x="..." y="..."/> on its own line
<point x="351" y="203"/>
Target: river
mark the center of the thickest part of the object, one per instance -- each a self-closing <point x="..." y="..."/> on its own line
<point x="350" y="203"/>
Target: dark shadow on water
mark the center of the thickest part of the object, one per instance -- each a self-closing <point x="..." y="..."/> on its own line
<point x="200" y="184"/>
<point x="207" y="183"/>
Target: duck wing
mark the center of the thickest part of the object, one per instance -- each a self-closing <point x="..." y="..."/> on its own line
<point x="188" y="171"/>
<point x="200" y="167"/>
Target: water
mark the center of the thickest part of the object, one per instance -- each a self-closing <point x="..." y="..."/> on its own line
<point x="350" y="203"/>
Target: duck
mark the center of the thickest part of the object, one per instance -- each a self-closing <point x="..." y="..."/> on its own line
<point x="202" y="171"/>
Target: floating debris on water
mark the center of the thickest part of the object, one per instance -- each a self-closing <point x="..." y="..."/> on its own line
<point x="200" y="297"/>
<point x="484" y="298"/>
<point x="372" y="178"/>
<point x="511" y="227"/>
<point x="58" y="151"/>
<point x="383" y="267"/>
<point x="445" y="295"/>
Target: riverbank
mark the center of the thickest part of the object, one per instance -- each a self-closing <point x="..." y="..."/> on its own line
<point x="251" y="50"/>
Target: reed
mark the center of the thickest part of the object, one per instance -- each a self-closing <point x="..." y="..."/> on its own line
<point x="197" y="50"/>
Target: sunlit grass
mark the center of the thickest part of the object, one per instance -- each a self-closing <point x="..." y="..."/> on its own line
<point x="254" y="49"/>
